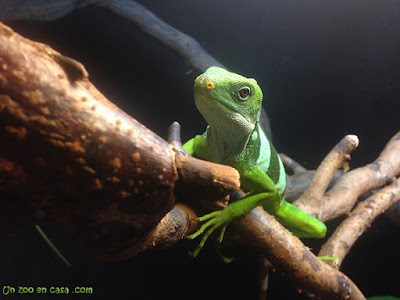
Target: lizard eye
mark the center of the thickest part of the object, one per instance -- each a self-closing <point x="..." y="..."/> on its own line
<point x="244" y="93"/>
<point x="210" y="85"/>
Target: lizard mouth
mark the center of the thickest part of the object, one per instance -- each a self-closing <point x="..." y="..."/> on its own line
<point x="204" y="100"/>
<point x="226" y="105"/>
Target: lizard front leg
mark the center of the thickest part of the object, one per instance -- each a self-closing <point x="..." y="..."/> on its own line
<point x="252" y="176"/>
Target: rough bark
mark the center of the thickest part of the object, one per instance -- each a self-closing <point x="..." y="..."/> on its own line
<point x="292" y="258"/>
<point x="103" y="176"/>
<point x="55" y="124"/>
<point x="182" y="44"/>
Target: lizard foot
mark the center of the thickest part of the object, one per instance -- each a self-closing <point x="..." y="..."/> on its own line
<point x="215" y="219"/>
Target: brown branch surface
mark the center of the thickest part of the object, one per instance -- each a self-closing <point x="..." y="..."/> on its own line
<point x="289" y="255"/>
<point x="311" y="200"/>
<point x="178" y="42"/>
<point x="346" y="191"/>
<point x="60" y="122"/>
<point x="263" y="232"/>
<point x="341" y="198"/>
<point x="359" y="221"/>
<point x="99" y="173"/>
<point x="298" y="182"/>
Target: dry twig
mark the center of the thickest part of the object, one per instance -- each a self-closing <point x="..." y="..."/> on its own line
<point x="285" y="251"/>
<point x="312" y="197"/>
<point x="359" y="220"/>
<point x="341" y="198"/>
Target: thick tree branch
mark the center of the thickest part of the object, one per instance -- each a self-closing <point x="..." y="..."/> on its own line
<point x="285" y="251"/>
<point x="289" y="255"/>
<point x="104" y="177"/>
<point x="178" y="42"/>
<point x="60" y="120"/>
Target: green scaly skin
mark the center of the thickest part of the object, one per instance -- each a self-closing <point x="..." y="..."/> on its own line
<point x="231" y="103"/>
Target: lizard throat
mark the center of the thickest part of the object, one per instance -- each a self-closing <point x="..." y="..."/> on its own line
<point x="228" y="132"/>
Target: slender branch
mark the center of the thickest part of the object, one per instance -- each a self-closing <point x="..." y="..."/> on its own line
<point x="341" y="198"/>
<point x="359" y="221"/>
<point x="311" y="200"/>
<point x="299" y="181"/>
<point x="182" y="44"/>
<point x="286" y="252"/>
<point x="293" y="165"/>
<point x="52" y="124"/>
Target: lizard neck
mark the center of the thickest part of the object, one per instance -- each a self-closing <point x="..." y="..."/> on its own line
<point x="226" y="143"/>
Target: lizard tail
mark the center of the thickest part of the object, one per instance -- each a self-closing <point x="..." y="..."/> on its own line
<point x="298" y="222"/>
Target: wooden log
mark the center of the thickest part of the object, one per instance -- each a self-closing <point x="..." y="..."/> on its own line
<point x="103" y="176"/>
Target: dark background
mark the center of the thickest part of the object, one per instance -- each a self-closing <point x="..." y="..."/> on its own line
<point x="327" y="69"/>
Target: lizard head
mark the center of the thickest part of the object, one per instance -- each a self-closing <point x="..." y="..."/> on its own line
<point x="228" y="99"/>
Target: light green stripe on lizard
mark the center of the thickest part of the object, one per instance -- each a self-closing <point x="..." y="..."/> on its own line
<point x="231" y="103"/>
